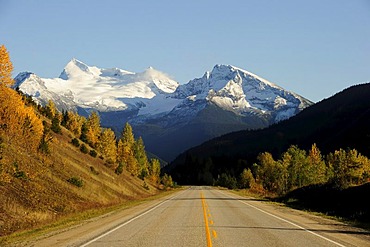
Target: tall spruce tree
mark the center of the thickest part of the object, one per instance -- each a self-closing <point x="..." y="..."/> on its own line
<point x="142" y="159"/>
<point x="126" y="150"/>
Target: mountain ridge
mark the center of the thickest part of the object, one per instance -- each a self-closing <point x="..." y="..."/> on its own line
<point x="340" y="121"/>
<point x="152" y="100"/>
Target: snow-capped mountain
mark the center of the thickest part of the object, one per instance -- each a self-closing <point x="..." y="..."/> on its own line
<point x="242" y="92"/>
<point x="160" y="109"/>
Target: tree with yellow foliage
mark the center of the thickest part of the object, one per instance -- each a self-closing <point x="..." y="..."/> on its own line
<point x="19" y="124"/>
<point x="93" y="129"/>
<point x="6" y="67"/>
<point x="125" y="151"/>
<point x="73" y="122"/>
<point x="155" y="170"/>
<point x="107" y="145"/>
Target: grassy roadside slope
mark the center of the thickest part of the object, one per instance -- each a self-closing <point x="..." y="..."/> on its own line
<point x="40" y="192"/>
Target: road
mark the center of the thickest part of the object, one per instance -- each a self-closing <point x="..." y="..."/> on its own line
<point x="205" y="216"/>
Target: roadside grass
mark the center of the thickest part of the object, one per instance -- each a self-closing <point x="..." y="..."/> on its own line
<point x="344" y="207"/>
<point x="74" y="220"/>
<point x="40" y="195"/>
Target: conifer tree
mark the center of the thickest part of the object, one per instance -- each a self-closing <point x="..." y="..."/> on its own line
<point x="55" y="124"/>
<point x="126" y="150"/>
<point x="128" y="136"/>
<point x="142" y="159"/>
<point x="74" y="122"/>
<point x="50" y="109"/>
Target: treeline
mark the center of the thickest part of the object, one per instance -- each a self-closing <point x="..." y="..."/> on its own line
<point x="297" y="168"/>
<point x="21" y="124"/>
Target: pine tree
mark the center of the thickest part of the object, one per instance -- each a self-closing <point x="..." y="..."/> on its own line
<point x="125" y="151"/>
<point x="6" y="68"/>
<point x="55" y="124"/>
<point x="142" y="159"/>
<point x="74" y="122"/>
<point x="127" y="135"/>
<point x="84" y="129"/>
<point x="50" y="110"/>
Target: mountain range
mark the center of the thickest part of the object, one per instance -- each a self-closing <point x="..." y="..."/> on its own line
<point x="169" y="116"/>
<point x="341" y="121"/>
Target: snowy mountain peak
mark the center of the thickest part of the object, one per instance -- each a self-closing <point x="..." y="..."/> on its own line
<point x="230" y="71"/>
<point x="225" y="99"/>
<point x="242" y="92"/>
<point x="161" y="80"/>
<point x="77" y="69"/>
<point x="153" y="92"/>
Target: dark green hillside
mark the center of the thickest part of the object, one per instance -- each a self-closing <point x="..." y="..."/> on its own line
<point x="349" y="203"/>
<point x="341" y="121"/>
<point x="210" y="122"/>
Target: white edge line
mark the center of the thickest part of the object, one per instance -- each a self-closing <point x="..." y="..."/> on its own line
<point x="287" y="221"/>
<point x="127" y="222"/>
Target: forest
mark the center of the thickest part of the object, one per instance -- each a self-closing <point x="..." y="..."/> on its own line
<point x="56" y="165"/>
<point x="21" y="122"/>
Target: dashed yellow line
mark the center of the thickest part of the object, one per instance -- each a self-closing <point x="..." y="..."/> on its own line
<point x="214" y="233"/>
<point x="208" y="234"/>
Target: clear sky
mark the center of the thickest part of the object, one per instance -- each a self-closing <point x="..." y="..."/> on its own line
<point x="314" y="48"/>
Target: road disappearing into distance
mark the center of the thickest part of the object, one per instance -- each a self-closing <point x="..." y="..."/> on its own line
<point x="206" y="216"/>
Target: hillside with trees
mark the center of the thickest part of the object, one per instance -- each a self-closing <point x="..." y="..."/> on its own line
<point x="317" y="160"/>
<point x="54" y="164"/>
<point x="339" y="122"/>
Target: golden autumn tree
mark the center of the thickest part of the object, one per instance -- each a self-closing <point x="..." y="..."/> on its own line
<point x="93" y="129"/>
<point x="74" y="122"/>
<point x="50" y="109"/>
<point x="19" y="125"/>
<point x="6" y="67"/>
<point x="125" y="151"/>
<point x="107" y="145"/>
<point x="155" y="170"/>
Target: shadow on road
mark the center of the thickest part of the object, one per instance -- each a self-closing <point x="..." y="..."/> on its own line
<point x="364" y="233"/>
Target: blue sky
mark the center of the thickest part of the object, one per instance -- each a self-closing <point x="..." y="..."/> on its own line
<point x="314" y="48"/>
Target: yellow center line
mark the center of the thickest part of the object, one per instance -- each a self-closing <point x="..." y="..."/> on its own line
<point x="208" y="234"/>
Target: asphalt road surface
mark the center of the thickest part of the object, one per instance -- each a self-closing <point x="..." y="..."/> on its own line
<point x="205" y="216"/>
